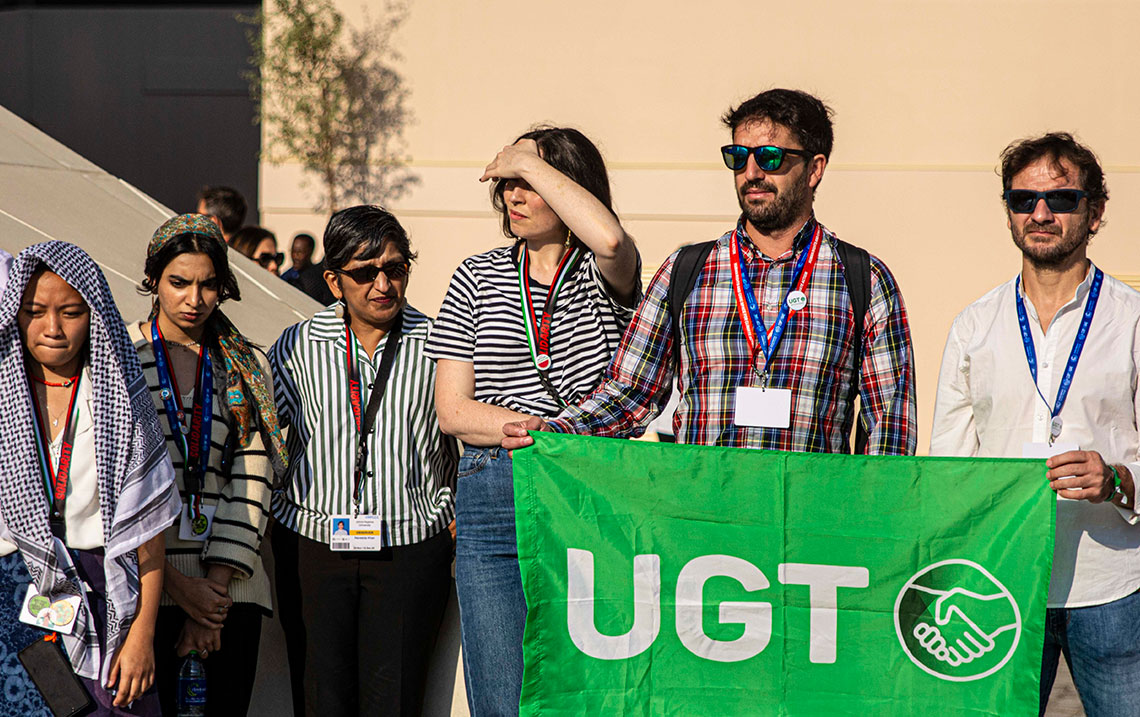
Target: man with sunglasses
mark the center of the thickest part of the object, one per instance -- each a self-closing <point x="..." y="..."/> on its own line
<point x="1046" y="366"/>
<point x="760" y="327"/>
<point x="354" y="388"/>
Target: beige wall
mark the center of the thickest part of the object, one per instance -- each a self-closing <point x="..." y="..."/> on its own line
<point x="926" y="95"/>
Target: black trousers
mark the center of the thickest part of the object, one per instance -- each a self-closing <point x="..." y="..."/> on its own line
<point x="230" y="671"/>
<point x="360" y="627"/>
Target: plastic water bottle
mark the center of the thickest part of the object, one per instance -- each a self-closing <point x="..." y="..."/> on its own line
<point x="192" y="687"/>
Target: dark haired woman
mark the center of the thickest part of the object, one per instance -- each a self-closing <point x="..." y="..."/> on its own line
<point x="259" y="244"/>
<point x="215" y="401"/>
<point x="524" y="331"/>
<point x="87" y="488"/>
<point x="361" y="546"/>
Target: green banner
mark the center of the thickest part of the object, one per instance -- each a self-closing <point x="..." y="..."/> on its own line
<point x="687" y="580"/>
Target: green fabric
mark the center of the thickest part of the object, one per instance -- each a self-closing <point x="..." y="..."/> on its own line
<point x="913" y="528"/>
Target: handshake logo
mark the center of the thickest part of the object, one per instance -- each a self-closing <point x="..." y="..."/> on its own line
<point x="956" y="621"/>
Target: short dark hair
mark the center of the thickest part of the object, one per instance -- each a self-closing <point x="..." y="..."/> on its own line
<point x="1055" y="146"/>
<point x="806" y="116"/>
<point x="570" y="152"/>
<point x="366" y="226"/>
<point x="191" y="243"/>
<point x="225" y="203"/>
<point x="245" y="240"/>
<point x="305" y="237"/>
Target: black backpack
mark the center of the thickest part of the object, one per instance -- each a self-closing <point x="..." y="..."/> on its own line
<point x="856" y="262"/>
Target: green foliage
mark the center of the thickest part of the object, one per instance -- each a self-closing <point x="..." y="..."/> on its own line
<point x="331" y="99"/>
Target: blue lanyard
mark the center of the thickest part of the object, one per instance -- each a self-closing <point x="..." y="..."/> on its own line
<point x="768" y="346"/>
<point x="195" y="447"/>
<point x="1074" y="355"/>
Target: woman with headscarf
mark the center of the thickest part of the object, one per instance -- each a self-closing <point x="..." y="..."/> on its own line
<point x="87" y="487"/>
<point x="217" y="409"/>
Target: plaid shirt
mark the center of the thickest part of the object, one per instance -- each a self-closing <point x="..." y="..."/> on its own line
<point x="814" y="359"/>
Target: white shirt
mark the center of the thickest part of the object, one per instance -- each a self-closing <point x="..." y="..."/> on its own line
<point x="84" y="523"/>
<point x="987" y="406"/>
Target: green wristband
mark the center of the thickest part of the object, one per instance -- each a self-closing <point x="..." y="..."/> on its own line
<point x="1115" y="479"/>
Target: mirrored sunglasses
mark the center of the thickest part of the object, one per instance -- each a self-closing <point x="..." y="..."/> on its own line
<point x="768" y="157"/>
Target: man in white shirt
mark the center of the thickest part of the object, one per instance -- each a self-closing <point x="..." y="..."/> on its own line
<point x="1047" y="364"/>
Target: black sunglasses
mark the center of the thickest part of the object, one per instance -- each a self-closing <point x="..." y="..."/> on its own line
<point x="769" y="157"/>
<point x="394" y="270"/>
<point x="266" y="259"/>
<point x="1059" y="201"/>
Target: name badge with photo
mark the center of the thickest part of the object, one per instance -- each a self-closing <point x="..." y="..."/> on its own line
<point x="41" y="611"/>
<point x="362" y="532"/>
<point x="763" y="408"/>
<point x="200" y="528"/>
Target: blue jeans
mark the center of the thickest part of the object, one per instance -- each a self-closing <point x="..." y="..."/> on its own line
<point x="492" y="609"/>
<point x="1101" y="644"/>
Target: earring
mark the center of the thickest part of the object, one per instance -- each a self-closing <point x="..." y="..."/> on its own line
<point x="567" y="237"/>
<point x="339" y="310"/>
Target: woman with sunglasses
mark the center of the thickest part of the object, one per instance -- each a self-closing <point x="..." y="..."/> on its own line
<point x="525" y="330"/>
<point x="361" y="546"/>
<point x="214" y="395"/>
<point x="86" y="493"/>
<point x="259" y="244"/>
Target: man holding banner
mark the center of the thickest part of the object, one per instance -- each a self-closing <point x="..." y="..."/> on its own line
<point x="1082" y="415"/>
<point x="773" y="329"/>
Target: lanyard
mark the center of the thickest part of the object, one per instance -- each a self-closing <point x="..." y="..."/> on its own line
<point x="193" y="442"/>
<point x="55" y="481"/>
<point x="1056" y="424"/>
<point x="366" y="419"/>
<point x="759" y="337"/>
<point x="538" y="328"/>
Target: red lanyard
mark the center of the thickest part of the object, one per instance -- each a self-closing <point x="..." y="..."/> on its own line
<point x="55" y="481"/>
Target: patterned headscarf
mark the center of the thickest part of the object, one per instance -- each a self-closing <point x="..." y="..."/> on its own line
<point x="138" y="497"/>
<point x="248" y="394"/>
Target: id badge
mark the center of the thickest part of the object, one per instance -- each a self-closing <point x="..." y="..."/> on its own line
<point x="763" y="408"/>
<point x="1044" y="450"/>
<point x="355" y="533"/>
<point x="200" y="529"/>
<point x="40" y="611"/>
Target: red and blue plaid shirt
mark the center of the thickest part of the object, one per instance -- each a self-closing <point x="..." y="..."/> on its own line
<point x="815" y="359"/>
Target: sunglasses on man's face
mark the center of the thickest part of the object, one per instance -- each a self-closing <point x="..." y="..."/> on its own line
<point x="769" y="157"/>
<point x="266" y="259"/>
<point x="1059" y="201"/>
<point x="394" y="270"/>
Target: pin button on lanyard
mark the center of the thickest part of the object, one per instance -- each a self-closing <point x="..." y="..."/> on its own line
<point x="1056" y="424"/>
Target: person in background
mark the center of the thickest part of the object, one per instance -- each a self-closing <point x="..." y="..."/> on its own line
<point x="361" y="612"/>
<point x="225" y="205"/>
<point x="307" y="276"/>
<point x="259" y="244"/>
<point x="507" y="350"/>
<point x="206" y="379"/>
<point x="85" y="534"/>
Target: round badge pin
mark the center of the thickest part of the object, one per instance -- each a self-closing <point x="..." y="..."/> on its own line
<point x="198" y="525"/>
<point x="797" y="300"/>
<point x="165" y="394"/>
<point x="185" y="430"/>
<point x="543" y="362"/>
<point x="1055" y="426"/>
<point x="62" y="613"/>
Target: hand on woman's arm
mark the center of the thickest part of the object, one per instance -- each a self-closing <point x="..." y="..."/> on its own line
<point x="460" y="415"/>
<point x="581" y="211"/>
<point x="132" y="672"/>
<point x="204" y="600"/>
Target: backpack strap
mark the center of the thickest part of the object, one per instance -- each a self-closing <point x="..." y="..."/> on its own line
<point x="857" y="274"/>
<point x="686" y="268"/>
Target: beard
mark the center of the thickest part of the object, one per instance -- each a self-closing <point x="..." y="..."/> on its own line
<point x="1055" y="254"/>
<point x="782" y="211"/>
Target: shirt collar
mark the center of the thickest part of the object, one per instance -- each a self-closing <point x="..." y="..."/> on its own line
<point x="327" y="326"/>
<point x="1078" y="296"/>
<point x="803" y="236"/>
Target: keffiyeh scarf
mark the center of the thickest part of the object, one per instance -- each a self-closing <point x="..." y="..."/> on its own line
<point x="138" y="497"/>
<point x="249" y="393"/>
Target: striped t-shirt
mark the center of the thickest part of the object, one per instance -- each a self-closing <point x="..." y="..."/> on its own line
<point x="410" y="478"/>
<point x="481" y="322"/>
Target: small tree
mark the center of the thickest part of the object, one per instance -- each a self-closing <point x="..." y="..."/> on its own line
<point x="331" y="99"/>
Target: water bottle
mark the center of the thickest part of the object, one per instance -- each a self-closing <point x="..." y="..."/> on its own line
<point x="192" y="687"/>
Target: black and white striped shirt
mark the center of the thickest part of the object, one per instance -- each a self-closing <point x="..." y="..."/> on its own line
<point x="481" y="321"/>
<point x="411" y="478"/>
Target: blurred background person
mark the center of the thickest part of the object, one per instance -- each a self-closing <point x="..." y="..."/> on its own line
<point x="259" y="244"/>
<point x="307" y="276"/>
<point x="225" y="205"/>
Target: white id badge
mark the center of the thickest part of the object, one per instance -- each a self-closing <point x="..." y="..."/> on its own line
<point x="199" y="529"/>
<point x="763" y="408"/>
<point x="1043" y="450"/>
<point x="359" y="533"/>
<point x="42" y="612"/>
